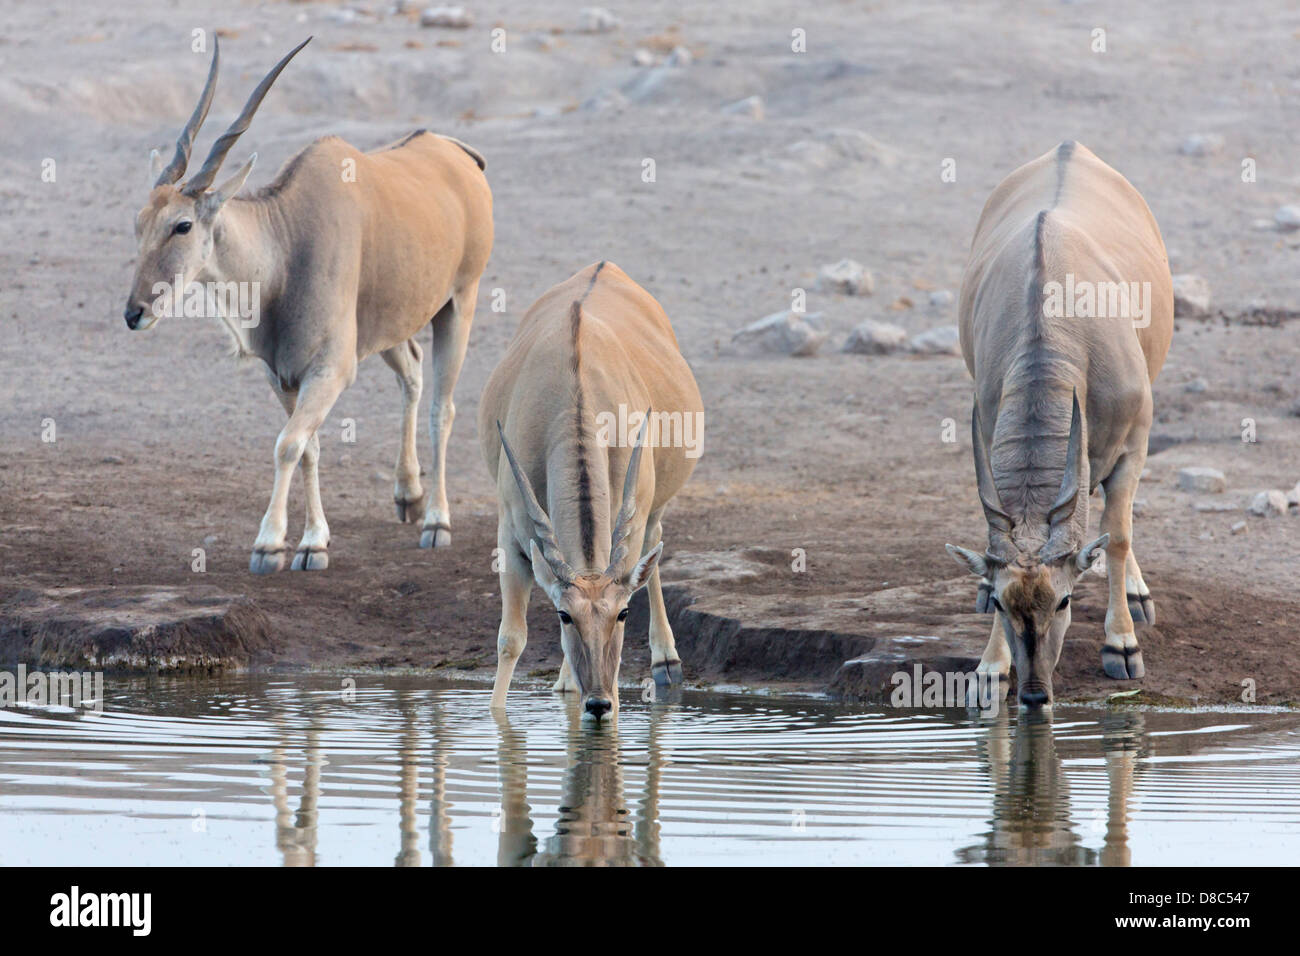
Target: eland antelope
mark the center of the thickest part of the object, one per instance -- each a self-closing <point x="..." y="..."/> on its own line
<point x="350" y="253"/>
<point x="1062" y="403"/>
<point x="589" y="346"/>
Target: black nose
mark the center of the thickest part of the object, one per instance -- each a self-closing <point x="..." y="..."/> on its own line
<point x="599" y="706"/>
<point x="132" y="315"/>
<point x="1033" y="697"/>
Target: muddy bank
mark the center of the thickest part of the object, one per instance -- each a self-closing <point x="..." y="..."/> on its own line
<point x="741" y="613"/>
<point x="133" y="630"/>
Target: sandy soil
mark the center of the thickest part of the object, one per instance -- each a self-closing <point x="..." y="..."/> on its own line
<point x="163" y="443"/>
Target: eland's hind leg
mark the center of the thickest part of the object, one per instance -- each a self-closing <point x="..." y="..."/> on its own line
<point x="450" y="337"/>
<point x="405" y="360"/>
<point x="516" y="579"/>
<point x="1121" y="657"/>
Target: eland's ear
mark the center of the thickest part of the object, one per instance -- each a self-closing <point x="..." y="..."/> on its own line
<point x="542" y="573"/>
<point x="214" y="200"/>
<point x="1090" y="552"/>
<point x="972" y="562"/>
<point x="155" y="167"/>
<point x="644" y="568"/>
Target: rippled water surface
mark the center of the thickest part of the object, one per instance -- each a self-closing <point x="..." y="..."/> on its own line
<point x="403" y="771"/>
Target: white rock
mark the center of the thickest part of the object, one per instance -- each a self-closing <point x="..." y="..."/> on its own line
<point x="1198" y="478"/>
<point x="1268" y="503"/>
<point x="1238" y="527"/>
<point x="455" y="18"/>
<point x="945" y="340"/>
<point x="643" y="57"/>
<point x="680" y="57"/>
<point x="1196" y="386"/>
<point x="1201" y="144"/>
<point x="846" y="277"/>
<point x="875" y="338"/>
<point x="941" y="299"/>
<point x="596" y="20"/>
<point x="781" y="333"/>
<point x="1293" y="496"/>
<point x="1287" y="217"/>
<point x="1191" y="296"/>
<point x="751" y="106"/>
<point x="1214" y="506"/>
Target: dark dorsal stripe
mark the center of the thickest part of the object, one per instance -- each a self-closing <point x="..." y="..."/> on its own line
<point x="586" y="506"/>
<point x="1041" y="358"/>
<point x="586" y="510"/>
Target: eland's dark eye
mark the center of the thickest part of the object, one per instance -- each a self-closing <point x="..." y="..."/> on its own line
<point x="182" y="227"/>
<point x="564" y="616"/>
<point x="622" y="615"/>
<point x="1065" y="602"/>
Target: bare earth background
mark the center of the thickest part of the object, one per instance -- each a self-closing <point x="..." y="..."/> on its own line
<point x="164" y="444"/>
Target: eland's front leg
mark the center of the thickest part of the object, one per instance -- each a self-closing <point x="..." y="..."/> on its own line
<point x="405" y="360"/>
<point x="994" y="668"/>
<point x="316" y="396"/>
<point x="1121" y="657"/>
<point x="516" y="584"/>
<point x="450" y="337"/>
<point x="311" y="554"/>
<point x="665" y="665"/>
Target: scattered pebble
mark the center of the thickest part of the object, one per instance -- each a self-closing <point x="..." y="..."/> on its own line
<point x="1266" y="504"/>
<point x="1287" y="217"/>
<point x="751" y="106"/>
<point x="941" y="299"/>
<point x="1198" y="478"/>
<point x="1238" y="527"/>
<point x="1201" y="144"/>
<point x="945" y="340"/>
<point x="1196" y="386"/>
<point x="452" y="18"/>
<point x="643" y="57"/>
<point x="781" y="333"/>
<point x="1191" y="296"/>
<point x="680" y="57"/>
<point x="846" y="277"/>
<point x="1214" y="506"/>
<point x="875" y="338"/>
<point x="596" y="20"/>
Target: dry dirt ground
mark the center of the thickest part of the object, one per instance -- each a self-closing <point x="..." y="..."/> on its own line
<point x="163" y="444"/>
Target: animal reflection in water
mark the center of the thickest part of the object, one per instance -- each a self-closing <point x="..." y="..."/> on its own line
<point x="1031" y="823"/>
<point x="295" y="834"/>
<point x="595" y="827"/>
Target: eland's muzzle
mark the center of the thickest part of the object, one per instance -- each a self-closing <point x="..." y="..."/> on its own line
<point x="1035" y="696"/>
<point x="598" y="706"/>
<point x="133" y="314"/>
